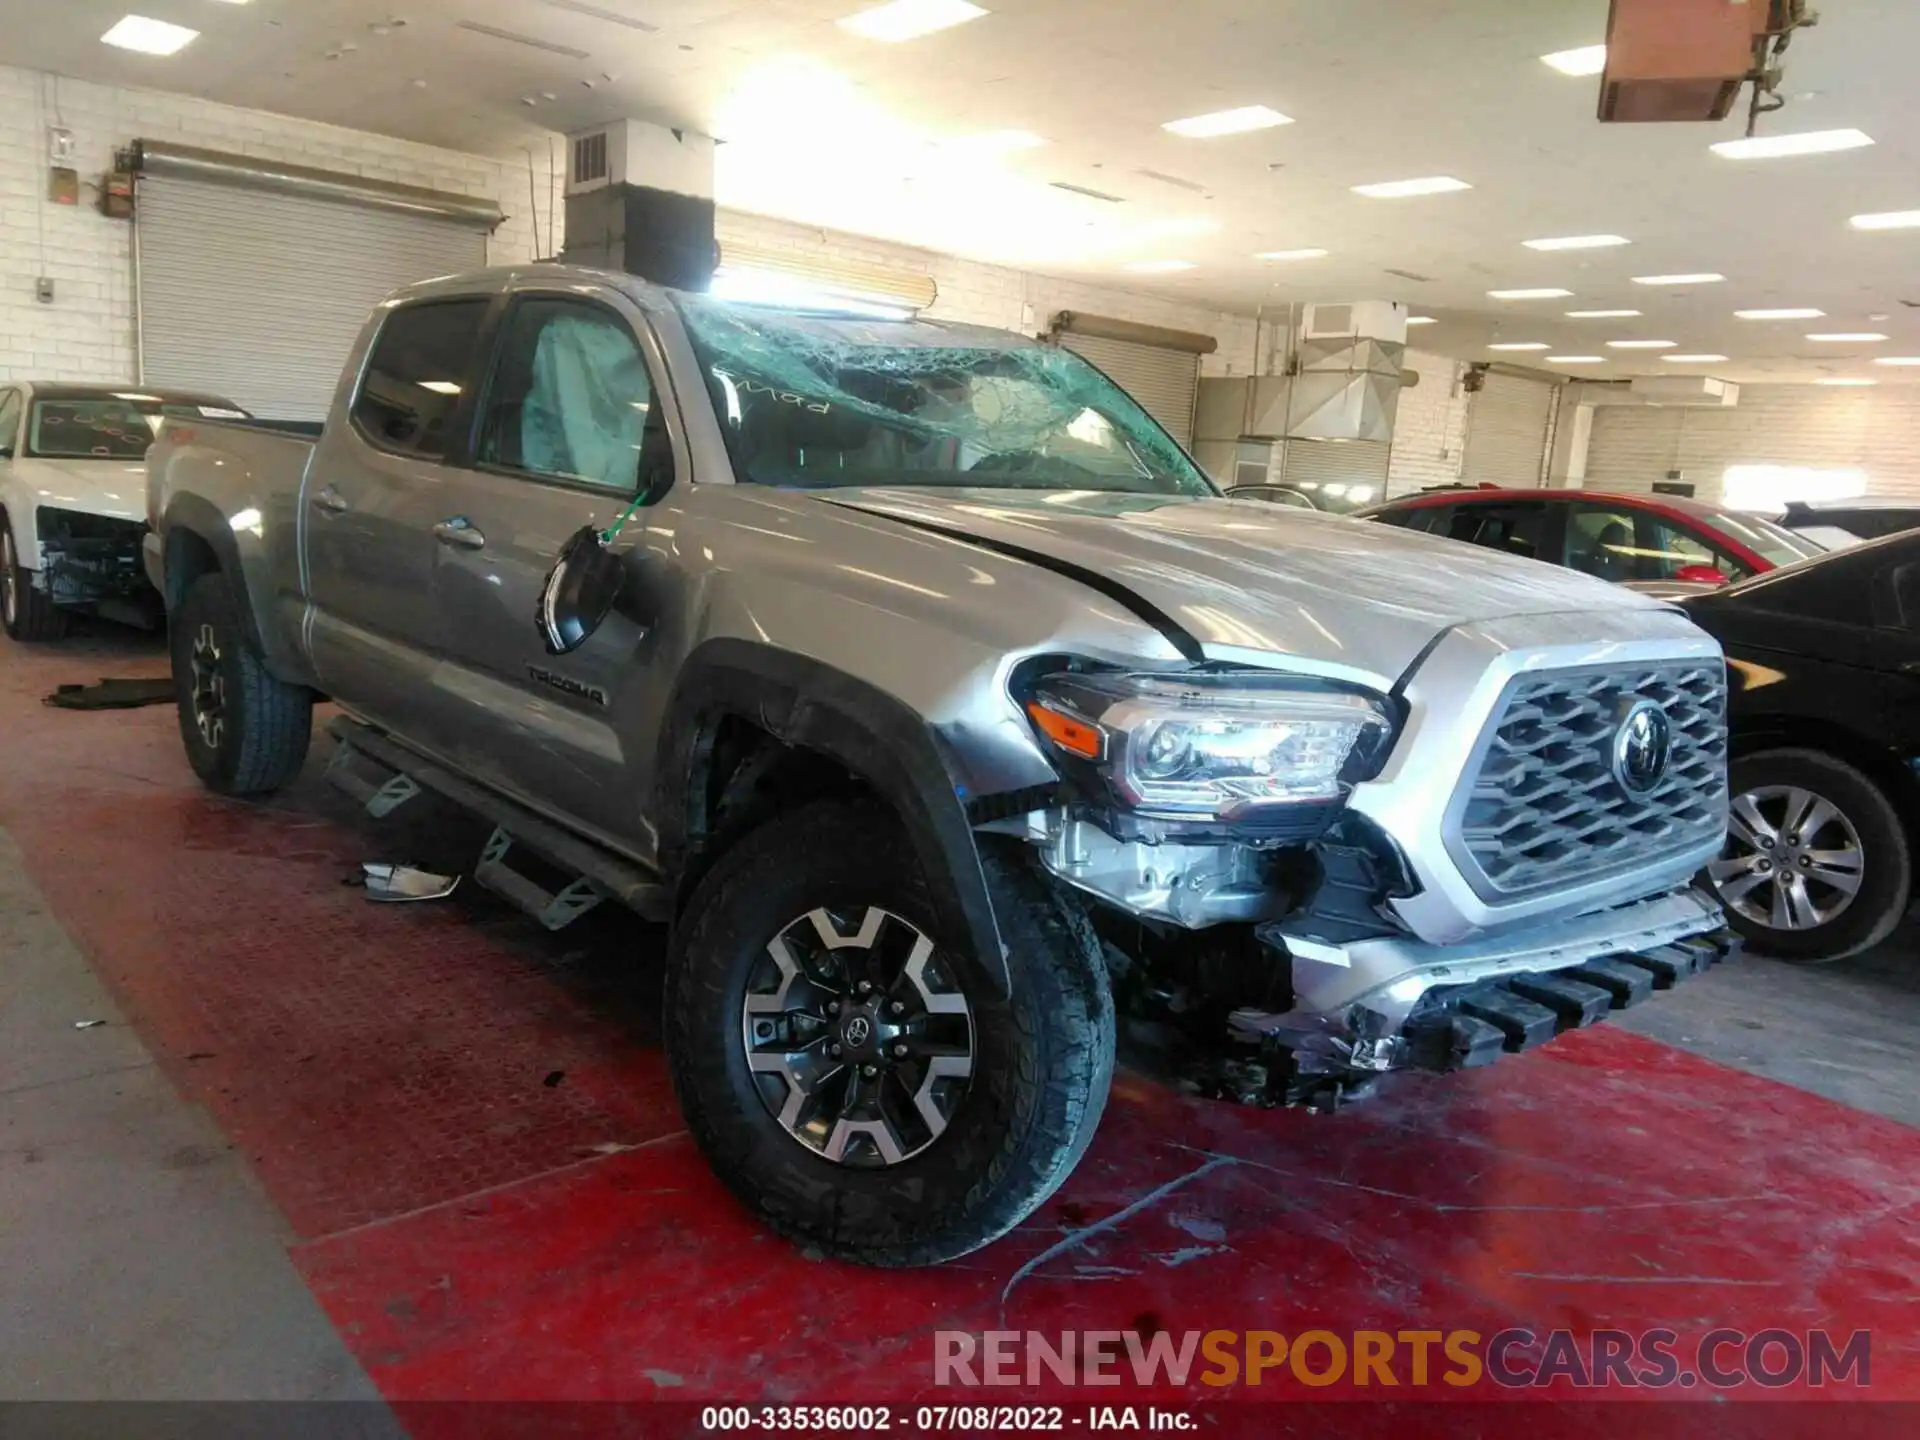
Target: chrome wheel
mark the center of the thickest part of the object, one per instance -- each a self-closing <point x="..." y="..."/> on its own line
<point x="858" y="1038"/>
<point x="9" y="580"/>
<point x="1793" y="859"/>
<point x="209" y="688"/>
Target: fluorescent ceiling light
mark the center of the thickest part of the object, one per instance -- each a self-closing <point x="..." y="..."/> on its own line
<point x="1577" y="242"/>
<point x="1576" y="359"/>
<point x="1705" y="277"/>
<point x="1898" y="360"/>
<point x="440" y="387"/>
<point x="1291" y="255"/>
<point x="1421" y="320"/>
<point x="1642" y="344"/>
<point x="1158" y="267"/>
<point x="910" y="19"/>
<point x="1528" y="294"/>
<point x="1520" y="345"/>
<point x="1402" y="189"/>
<point x="1888" y="220"/>
<point x="1848" y="381"/>
<point x="1587" y="60"/>
<point x="149" y="37"/>
<point x="1849" y="337"/>
<point x="1602" y="314"/>
<point x="1810" y="142"/>
<point x="1694" y="359"/>
<point x="1789" y="314"/>
<point x="1228" y="122"/>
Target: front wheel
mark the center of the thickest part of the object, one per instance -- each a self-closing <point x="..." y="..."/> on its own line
<point x="1816" y="866"/>
<point x="246" y="732"/>
<point x="29" y="614"/>
<point x="843" y="1067"/>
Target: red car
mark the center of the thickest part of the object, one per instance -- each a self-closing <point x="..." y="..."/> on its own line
<point x="1625" y="538"/>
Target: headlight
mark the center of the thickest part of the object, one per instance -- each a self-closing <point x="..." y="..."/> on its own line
<point x="1211" y="747"/>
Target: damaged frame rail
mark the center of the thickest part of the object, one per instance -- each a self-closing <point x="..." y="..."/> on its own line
<point x="597" y="875"/>
<point x="1388" y="1003"/>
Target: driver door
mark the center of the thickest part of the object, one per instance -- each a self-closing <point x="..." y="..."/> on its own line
<point x="568" y="421"/>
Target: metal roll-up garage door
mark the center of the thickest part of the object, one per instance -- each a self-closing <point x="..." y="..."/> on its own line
<point x="1165" y="382"/>
<point x="1340" y="472"/>
<point x="1507" y="432"/>
<point x="1159" y="368"/>
<point x="258" y="295"/>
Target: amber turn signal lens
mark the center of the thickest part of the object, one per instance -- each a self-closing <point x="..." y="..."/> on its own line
<point x="1076" y="737"/>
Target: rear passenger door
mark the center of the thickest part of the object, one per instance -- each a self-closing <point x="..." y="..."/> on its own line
<point x="375" y="487"/>
<point x="567" y="423"/>
<point x="1512" y="527"/>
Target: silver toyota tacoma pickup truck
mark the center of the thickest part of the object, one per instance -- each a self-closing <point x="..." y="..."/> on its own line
<point x="956" y="725"/>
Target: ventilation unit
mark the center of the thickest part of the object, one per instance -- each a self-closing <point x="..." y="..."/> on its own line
<point x="1679" y="59"/>
<point x="631" y="152"/>
<point x="1346" y="384"/>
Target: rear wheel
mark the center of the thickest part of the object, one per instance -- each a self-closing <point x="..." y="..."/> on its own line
<point x="29" y="614"/>
<point x="1816" y="866"/>
<point x="245" y="731"/>
<point x="840" y="1061"/>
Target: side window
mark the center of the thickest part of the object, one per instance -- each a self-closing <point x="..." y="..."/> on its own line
<point x="415" y="376"/>
<point x="1601" y="542"/>
<point x="9" y="421"/>
<point x="1413" y="519"/>
<point x="571" y="399"/>
<point x="1515" y="528"/>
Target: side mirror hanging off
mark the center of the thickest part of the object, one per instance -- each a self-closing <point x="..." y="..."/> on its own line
<point x="585" y="582"/>
<point x="580" y="591"/>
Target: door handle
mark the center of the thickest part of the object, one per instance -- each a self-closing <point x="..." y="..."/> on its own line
<point x="458" y="532"/>
<point x="330" y="500"/>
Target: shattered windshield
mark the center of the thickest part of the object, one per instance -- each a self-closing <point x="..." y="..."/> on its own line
<point x="817" y="400"/>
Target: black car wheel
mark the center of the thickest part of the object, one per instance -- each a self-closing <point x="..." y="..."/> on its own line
<point x="29" y="614"/>
<point x="843" y="1066"/>
<point x="1816" y="866"/>
<point x="246" y="732"/>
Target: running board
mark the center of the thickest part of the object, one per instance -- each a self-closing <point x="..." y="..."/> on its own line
<point x="599" y="874"/>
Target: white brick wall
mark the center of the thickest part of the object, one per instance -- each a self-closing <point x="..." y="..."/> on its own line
<point x="87" y="333"/>
<point x="1430" y="433"/>
<point x="1876" y="430"/>
<point x="978" y="294"/>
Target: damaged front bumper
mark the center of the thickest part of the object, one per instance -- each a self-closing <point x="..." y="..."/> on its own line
<point x="89" y="560"/>
<point x="1393" y="1003"/>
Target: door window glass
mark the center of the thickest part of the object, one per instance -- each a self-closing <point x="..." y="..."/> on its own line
<point x="1668" y="550"/>
<point x="416" y="375"/>
<point x="1516" y="528"/>
<point x="1601" y="542"/>
<point x="571" y="399"/>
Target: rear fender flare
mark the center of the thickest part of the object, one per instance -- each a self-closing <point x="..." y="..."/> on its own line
<point x="874" y="736"/>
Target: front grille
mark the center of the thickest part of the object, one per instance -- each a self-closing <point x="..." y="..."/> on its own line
<point x="1544" y="808"/>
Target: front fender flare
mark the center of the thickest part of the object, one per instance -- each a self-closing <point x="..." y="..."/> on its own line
<point x="804" y="703"/>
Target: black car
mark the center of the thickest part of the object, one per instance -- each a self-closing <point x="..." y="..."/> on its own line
<point x="1823" y="663"/>
<point x="1836" y="524"/>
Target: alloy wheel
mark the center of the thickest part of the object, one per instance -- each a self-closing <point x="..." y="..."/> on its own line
<point x="859" y="1040"/>
<point x="1793" y="860"/>
<point x="209" y="698"/>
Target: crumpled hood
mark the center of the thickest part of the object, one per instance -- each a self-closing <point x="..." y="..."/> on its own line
<point x="1245" y="577"/>
<point x="94" y="487"/>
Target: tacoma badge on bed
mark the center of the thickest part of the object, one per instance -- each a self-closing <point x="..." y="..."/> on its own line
<point x="955" y="725"/>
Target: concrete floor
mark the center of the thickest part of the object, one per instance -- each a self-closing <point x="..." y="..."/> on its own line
<point x="329" y="1149"/>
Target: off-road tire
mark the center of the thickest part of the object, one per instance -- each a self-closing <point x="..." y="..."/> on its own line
<point x="1886" y="879"/>
<point x="30" y="614"/>
<point x="1043" y="1059"/>
<point x="267" y="723"/>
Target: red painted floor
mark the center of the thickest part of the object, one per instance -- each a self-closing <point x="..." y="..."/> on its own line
<point x="467" y="1125"/>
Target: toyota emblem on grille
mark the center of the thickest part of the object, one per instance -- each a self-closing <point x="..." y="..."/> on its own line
<point x="1642" y="747"/>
